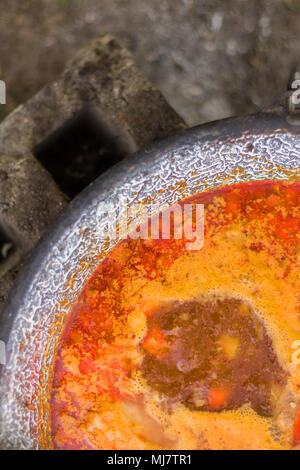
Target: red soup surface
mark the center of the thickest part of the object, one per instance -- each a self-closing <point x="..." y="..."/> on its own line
<point x="171" y="348"/>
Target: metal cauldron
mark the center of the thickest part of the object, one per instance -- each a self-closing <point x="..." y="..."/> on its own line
<point x="258" y="147"/>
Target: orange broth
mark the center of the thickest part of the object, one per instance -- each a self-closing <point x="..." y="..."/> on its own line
<point x="167" y="348"/>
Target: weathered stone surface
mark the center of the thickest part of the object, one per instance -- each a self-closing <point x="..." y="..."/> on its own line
<point x="211" y="58"/>
<point x="102" y="77"/>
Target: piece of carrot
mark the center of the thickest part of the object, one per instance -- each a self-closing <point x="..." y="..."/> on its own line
<point x="87" y="366"/>
<point x="296" y="436"/>
<point x="217" y="398"/>
<point x="155" y="343"/>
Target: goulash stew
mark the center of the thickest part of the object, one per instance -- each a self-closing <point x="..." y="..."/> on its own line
<point x="169" y="348"/>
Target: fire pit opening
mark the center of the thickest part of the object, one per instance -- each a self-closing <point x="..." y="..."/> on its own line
<point x="7" y="247"/>
<point x="81" y="150"/>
